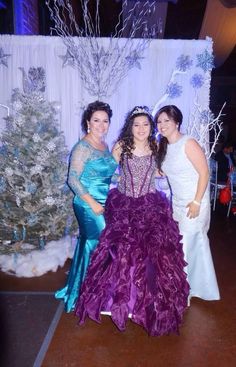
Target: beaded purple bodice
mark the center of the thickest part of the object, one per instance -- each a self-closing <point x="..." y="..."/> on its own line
<point x="137" y="176"/>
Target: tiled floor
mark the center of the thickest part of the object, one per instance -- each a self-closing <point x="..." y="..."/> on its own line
<point x="207" y="337"/>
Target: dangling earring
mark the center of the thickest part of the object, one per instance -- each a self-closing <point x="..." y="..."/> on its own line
<point x="88" y="129"/>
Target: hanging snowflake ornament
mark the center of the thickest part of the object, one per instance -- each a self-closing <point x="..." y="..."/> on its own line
<point x="183" y="63"/>
<point x="197" y="81"/>
<point x="174" y="90"/>
<point x="205" y="61"/>
<point x="3" y="57"/>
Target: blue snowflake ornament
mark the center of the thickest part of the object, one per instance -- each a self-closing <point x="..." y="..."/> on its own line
<point x="183" y="63"/>
<point x="197" y="81"/>
<point x="174" y="90"/>
<point x="205" y="61"/>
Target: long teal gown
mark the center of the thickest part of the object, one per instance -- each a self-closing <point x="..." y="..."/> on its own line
<point x="90" y="172"/>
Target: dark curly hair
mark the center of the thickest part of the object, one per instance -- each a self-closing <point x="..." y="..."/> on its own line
<point x="126" y="139"/>
<point x="91" y="108"/>
<point x="174" y="114"/>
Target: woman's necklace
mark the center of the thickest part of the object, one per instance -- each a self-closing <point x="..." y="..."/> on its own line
<point x="141" y="151"/>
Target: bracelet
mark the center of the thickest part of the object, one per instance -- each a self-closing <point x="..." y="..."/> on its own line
<point x="196" y="202"/>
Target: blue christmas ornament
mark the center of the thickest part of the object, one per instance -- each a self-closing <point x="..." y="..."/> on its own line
<point x="3" y="150"/>
<point x="3" y="184"/>
<point x="32" y="188"/>
<point x="32" y="219"/>
<point x="16" y="152"/>
<point x="41" y="242"/>
<point x="16" y="234"/>
<point x="23" y="233"/>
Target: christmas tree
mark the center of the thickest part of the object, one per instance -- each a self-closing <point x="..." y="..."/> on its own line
<point x="35" y="202"/>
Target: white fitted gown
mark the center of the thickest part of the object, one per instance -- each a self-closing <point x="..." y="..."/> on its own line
<point x="183" y="179"/>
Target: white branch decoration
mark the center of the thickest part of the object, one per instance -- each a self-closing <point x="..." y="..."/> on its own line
<point x="101" y="67"/>
<point x="205" y="128"/>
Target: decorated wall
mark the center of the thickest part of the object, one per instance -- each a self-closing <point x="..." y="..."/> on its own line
<point x="162" y="72"/>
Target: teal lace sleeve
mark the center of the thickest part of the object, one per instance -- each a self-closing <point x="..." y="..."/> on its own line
<point x="79" y="156"/>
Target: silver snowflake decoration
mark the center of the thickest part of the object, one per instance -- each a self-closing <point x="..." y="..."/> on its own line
<point x="49" y="200"/>
<point x="36" y="138"/>
<point x="17" y="105"/>
<point x="36" y="169"/>
<point x="3" y="57"/>
<point x="205" y="61"/>
<point x="51" y="146"/>
<point x="9" y="172"/>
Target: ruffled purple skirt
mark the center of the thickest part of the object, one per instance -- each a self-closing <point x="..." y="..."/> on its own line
<point x="138" y="266"/>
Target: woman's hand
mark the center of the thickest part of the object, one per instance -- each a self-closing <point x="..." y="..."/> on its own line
<point x="193" y="209"/>
<point x="97" y="208"/>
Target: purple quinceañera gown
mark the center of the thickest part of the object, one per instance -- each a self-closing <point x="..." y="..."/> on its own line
<point x="137" y="270"/>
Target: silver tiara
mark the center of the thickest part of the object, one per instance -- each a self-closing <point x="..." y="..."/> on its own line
<point x="139" y="110"/>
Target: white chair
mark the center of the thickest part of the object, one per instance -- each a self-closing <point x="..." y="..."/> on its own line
<point x="215" y="186"/>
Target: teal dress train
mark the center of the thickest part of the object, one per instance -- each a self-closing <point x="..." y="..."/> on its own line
<point x="90" y="172"/>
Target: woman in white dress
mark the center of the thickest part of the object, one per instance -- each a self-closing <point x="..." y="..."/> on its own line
<point x="185" y="165"/>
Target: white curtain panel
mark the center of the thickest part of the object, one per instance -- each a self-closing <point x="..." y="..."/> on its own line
<point x="168" y="72"/>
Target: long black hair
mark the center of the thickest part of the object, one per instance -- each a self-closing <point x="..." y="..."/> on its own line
<point x="174" y="114"/>
<point x="91" y="108"/>
<point x="126" y="139"/>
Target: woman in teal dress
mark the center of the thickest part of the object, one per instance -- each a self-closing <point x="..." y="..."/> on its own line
<point x="90" y="171"/>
